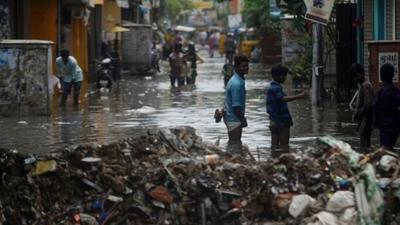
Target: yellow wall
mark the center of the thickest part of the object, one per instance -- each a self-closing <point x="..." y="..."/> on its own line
<point x="79" y="43"/>
<point x="43" y="22"/>
<point x="111" y="16"/>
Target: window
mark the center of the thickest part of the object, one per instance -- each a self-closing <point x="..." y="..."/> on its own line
<point x="379" y="19"/>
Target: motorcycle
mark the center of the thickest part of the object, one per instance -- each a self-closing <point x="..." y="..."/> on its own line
<point x="104" y="75"/>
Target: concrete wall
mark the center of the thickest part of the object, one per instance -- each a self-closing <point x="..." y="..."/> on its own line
<point x="24" y="70"/>
<point x="368" y="30"/>
<point x="5" y="29"/>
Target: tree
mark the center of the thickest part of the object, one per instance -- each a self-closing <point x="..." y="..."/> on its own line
<point x="302" y="64"/>
<point x="173" y="8"/>
<point x="293" y="7"/>
<point x="256" y="13"/>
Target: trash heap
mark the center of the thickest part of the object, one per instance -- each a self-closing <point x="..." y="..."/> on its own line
<point x="171" y="176"/>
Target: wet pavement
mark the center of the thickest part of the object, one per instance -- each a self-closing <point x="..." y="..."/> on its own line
<point x="146" y="102"/>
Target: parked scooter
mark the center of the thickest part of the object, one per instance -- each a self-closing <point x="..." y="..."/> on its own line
<point x="104" y="75"/>
<point x="115" y="65"/>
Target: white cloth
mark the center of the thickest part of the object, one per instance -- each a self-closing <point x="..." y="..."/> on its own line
<point x="53" y="82"/>
<point x="232" y="125"/>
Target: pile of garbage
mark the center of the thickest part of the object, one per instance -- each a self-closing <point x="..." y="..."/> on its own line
<point x="170" y="176"/>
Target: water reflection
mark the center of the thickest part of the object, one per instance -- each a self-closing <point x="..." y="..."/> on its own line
<point x="147" y="102"/>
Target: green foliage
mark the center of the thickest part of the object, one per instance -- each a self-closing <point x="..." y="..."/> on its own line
<point x="296" y="8"/>
<point x="301" y="66"/>
<point x="256" y="13"/>
<point x="172" y="8"/>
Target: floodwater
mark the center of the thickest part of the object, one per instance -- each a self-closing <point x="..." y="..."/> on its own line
<point x="148" y="102"/>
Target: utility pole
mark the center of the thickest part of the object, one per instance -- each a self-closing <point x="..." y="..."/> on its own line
<point x="316" y="86"/>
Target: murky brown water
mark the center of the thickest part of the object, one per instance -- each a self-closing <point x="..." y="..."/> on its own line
<point x="141" y="102"/>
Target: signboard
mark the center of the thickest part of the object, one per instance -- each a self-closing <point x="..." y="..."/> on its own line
<point x="392" y="58"/>
<point x="319" y="11"/>
<point x="234" y="21"/>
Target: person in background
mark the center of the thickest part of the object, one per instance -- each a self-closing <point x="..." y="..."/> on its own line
<point x="178" y="38"/>
<point x="72" y="77"/>
<point x="255" y="54"/>
<point x="221" y="44"/>
<point x="168" y="44"/>
<point x="230" y="48"/>
<point x="178" y="64"/>
<point x="155" y="57"/>
<point x="235" y="100"/>
<point x="277" y="108"/>
<point x="363" y="114"/>
<point x="227" y="71"/>
<point x="193" y="59"/>
<point x="386" y="108"/>
<point x="212" y="44"/>
<point x="203" y="37"/>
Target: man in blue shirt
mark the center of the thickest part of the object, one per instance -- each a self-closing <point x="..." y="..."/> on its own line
<point x="277" y="108"/>
<point x="72" y="76"/>
<point x="387" y="108"/>
<point x="235" y="99"/>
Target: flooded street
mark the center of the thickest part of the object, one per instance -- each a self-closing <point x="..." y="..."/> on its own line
<point x="146" y="102"/>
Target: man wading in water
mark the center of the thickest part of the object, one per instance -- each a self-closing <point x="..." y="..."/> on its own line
<point x="235" y="101"/>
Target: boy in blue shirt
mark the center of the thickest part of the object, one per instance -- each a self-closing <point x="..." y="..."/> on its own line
<point x="235" y="100"/>
<point x="277" y="108"/>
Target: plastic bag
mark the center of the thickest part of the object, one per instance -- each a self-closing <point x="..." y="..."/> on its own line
<point x="299" y="204"/>
<point x="339" y="201"/>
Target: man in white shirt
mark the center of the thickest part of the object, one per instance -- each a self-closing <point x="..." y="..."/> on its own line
<point x="72" y="76"/>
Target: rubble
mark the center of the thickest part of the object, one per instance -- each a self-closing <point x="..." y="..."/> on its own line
<point x="173" y="177"/>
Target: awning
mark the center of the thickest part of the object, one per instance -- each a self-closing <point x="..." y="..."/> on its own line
<point x="184" y="29"/>
<point x="119" y="29"/>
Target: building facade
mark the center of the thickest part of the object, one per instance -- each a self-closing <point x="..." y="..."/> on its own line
<point x="380" y="21"/>
<point x="81" y="26"/>
<point x="5" y="29"/>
